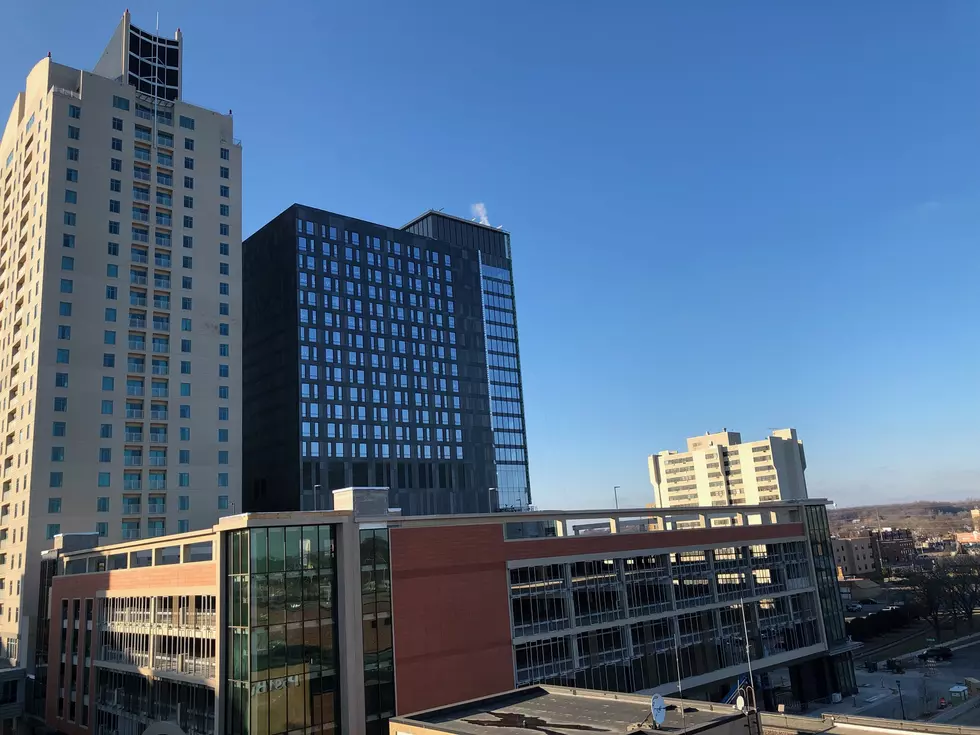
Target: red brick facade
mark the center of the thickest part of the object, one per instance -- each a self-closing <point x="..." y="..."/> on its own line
<point x="451" y="606"/>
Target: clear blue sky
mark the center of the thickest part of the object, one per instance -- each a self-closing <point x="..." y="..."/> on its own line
<point x="742" y="214"/>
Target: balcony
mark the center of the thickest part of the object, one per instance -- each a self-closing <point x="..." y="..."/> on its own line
<point x="162" y="260"/>
<point x="158" y="437"/>
<point x="160" y="391"/>
<point x="165" y="179"/>
<point x="142" y="134"/>
<point x="161" y="347"/>
<point x="137" y="323"/>
<point x="131" y="509"/>
<point x="161" y="283"/>
<point x="158" y="462"/>
<point x="134" y="413"/>
<point x="161" y="370"/>
<point x="141" y="154"/>
<point x="158" y="414"/>
<point x="135" y="390"/>
<point x="129" y="534"/>
<point x="135" y="437"/>
<point x="135" y="367"/>
<point x="136" y="299"/>
<point x="133" y="460"/>
<point x="164" y="199"/>
<point x="161" y="325"/>
<point x="141" y="236"/>
<point x="137" y="344"/>
<point x="164" y="220"/>
<point x="156" y="509"/>
<point x="165" y="139"/>
<point x="138" y="279"/>
<point x="140" y="258"/>
<point x="140" y="215"/>
<point x="165" y="159"/>
<point x="141" y="174"/>
<point x="161" y="302"/>
<point x="141" y="195"/>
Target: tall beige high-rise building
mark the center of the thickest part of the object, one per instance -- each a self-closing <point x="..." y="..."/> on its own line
<point x="120" y="311"/>
<point x="719" y="469"/>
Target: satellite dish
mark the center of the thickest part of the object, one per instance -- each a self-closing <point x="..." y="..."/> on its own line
<point x="658" y="709"/>
<point x="740" y="702"/>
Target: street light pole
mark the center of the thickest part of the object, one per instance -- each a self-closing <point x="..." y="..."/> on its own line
<point x="316" y="497"/>
<point x="616" y="495"/>
<point x="901" y="701"/>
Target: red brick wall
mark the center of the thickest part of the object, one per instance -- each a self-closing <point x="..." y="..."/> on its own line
<point x="451" y="605"/>
<point x="451" y="616"/>
<point x="87" y="586"/>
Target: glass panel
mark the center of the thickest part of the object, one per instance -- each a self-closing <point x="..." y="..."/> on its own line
<point x="260" y="550"/>
<point x="294" y="554"/>
<point x="277" y="550"/>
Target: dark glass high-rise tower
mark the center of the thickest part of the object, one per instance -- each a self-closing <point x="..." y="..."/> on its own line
<point x="377" y="356"/>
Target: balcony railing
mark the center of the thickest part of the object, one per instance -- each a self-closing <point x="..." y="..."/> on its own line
<point x="164" y="200"/>
<point x="162" y="261"/>
<point x="158" y="461"/>
<point x="131" y="533"/>
<point x="141" y="215"/>
<point x="164" y="220"/>
<point x="138" y="278"/>
<point x="134" y="436"/>
<point x="133" y="460"/>
<point x="161" y="283"/>
<point x="160" y="393"/>
<point x="135" y="390"/>
<point x="140" y="258"/>
<point x="137" y="299"/>
<point x="136" y="367"/>
<point x="156" y="509"/>
<point x="161" y="370"/>
<point x="161" y="303"/>
<point x="137" y="344"/>
<point x="131" y="509"/>
<point x="158" y="415"/>
<point x="137" y="323"/>
<point x="144" y="135"/>
<point x="161" y="325"/>
<point x="161" y="347"/>
<point x="158" y="438"/>
<point x="134" y="413"/>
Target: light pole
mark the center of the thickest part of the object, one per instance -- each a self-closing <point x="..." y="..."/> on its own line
<point x="616" y="495"/>
<point x="900" y="700"/>
<point x="490" y="492"/>
<point x="316" y="497"/>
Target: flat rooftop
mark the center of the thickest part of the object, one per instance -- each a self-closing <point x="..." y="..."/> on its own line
<point x="557" y="710"/>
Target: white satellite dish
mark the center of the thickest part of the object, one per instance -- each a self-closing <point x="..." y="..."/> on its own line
<point x="740" y="703"/>
<point x="658" y="709"/>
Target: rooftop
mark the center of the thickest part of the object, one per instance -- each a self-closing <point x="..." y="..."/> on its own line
<point x="554" y="710"/>
<point x="440" y="213"/>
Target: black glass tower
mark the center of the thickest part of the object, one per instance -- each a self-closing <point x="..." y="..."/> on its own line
<point x="377" y="356"/>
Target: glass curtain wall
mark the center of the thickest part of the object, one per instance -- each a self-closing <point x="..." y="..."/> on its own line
<point x="379" y="673"/>
<point x="282" y="651"/>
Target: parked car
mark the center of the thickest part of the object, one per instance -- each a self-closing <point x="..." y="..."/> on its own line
<point x="868" y="601"/>
<point x="854" y="607"/>
<point x="939" y="653"/>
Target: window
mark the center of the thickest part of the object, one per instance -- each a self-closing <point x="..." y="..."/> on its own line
<point x="120" y="103"/>
<point x="183" y="525"/>
<point x="106" y="408"/>
<point x="74" y="112"/>
<point x="188" y="221"/>
<point x="108" y="360"/>
<point x="113" y="248"/>
<point x="224" y="350"/>
<point x="109" y="337"/>
<point x="102" y="529"/>
<point x="62" y="357"/>
<point x="223" y="435"/>
<point x="72" y="154"/>
<point x="52" y="530"/>
<point x="105" y="431"/>
<point x="223" y="288"/>
<point x="222" y="371"/>
<point x="117" y="144"/>
<point x="67" y="286"/>
<point x="105" y="455"/>
<point x="58" y="428"/>
<point x="188" y="144"/>
<point x="188" y="182"/>
<point x="185" y="367"/>
<point x="57" y="454"/>
<point x="185" y="325"/>
<point x="223" y="392"/>
<point x="184" y="456"/>
<point x="222" y="502"/>
<point x="71" y="197"/>
<point x="225" y="154"/>
<point x="115" y="164"/>
<point x="224" y="230"/>
<point x="183" y="502"/>
<point x="187" y="262"/>
<point x="61" y="380"/>
<point x="67" y="263"/>
<point x="223" y="308"/>
<point x="114" y="208"/>
<point x="184" y="479"/>
<point x="108" y="383"/>
<point x="222" y="479"/>
<point x="71" y="175"/>
<point x="74" y="133"/>
<point x="225" y="191"/>
<point x="223" y="248"/>
<point x="117" y="123"/>
<point x="188" y="162"/>
<point x="185" y="345"/>
<point x="56" y="479"/>
<point x="225" y="173"/>
<point x="115" y="185"/>
<point x="112" y="271"/>
<point x="185" y="389"/>
<point x="186" y="282"/>
<point x="185" y="433"/>
<point x="70" y="219"/>
<point x="223" y="456"/>
<point x="222" y="413"/>
<point x="102" y="505"/>
<point x="64" y="308"/>
<point x="224" y="210"/>
<point x="224" y="269"/>
<point x="113" y="228"/>
<point x="186" y="302"/>
<point x="64" y="331"/>
<point x="54" y="505"/>
<point x="60" y="404"/>
<point x="188" y="241"/>
<point x="188" y="202"/>
<point x="185" y="412"/>
<point x="187" y="122"/>
<point x="111" y="293"/>
<point x="68" y="241"/>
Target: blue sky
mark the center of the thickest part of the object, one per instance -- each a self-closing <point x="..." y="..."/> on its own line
<point x="743" y="215"/>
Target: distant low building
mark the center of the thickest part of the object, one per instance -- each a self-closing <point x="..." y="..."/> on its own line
<point x="873" y="552"/>
<point x="854" y="557"/>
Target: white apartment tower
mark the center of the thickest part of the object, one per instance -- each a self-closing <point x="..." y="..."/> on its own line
<point x="120" y="312"/>
<point x="719" y="469"/>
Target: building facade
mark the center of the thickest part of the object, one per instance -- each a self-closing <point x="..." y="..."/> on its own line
<point x="338" y="620"/>
<point x="120" y="298"/>
<point x="385" y="357"/>
<point x="854" y="557"/>
<point x="719" y="469"/>
<point x="875" y="552"/>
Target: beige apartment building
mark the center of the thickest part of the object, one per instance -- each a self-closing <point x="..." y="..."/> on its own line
<point x="120" y="312"/>
<point x="719" y="469"/>
<point x="854" y="557"/>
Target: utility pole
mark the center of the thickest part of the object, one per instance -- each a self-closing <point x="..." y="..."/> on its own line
<point x="901" y="701"/>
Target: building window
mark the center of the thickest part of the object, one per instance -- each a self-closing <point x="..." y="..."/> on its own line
<point x="225" y="154"/>
<point x="224" y="230"/>
<point x="225" y="173"/>
<point x="188" y="163"/>
<point x="102" y="505"/>
<point x="187" y="122"/>
<point x="58" y="428"/>
<point x="62" y="357"/>
<point x="74" y="112"/>
<point x="183" y="525"/>
<point x="225" y="191"/>
<point x="224" y="210"/>
<point x="104" y="479"/>
<point x="57" y="454"/>
<point x="54" y="505"/>
<point x="71" y="196"/>
<point x="188" y="144"/>
<point x="72" y="154"/>
<point x="52" y="530"/>
<point x="56" y="479"/>
<point x="117" y="123"/>
<point x="68" y="241"/>
<point x="60" y="404"/>
<point x="222" y="502"/>
<point x="102" y="528"/>
<point x="71" y="175"/>
<point x="120" y="103"/>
